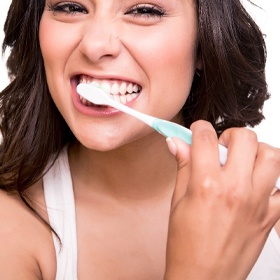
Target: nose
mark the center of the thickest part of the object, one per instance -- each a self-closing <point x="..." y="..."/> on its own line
<point x="100" y="40"/>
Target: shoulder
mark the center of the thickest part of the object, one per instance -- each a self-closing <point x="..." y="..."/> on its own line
<point x="26" y="243"/>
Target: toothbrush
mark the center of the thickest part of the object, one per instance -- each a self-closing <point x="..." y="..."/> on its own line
<point x="97" y="95"/>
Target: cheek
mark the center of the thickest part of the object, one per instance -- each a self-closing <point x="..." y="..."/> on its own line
<point x="168" y="49"/>
<point x="173" y="62"/>
<point x="56" y="42"/>
<point x="48" y="42"/>
<point x="56" y="47"/>
<point x="168" y="61"/>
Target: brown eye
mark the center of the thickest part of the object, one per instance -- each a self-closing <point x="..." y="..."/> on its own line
<point x="68" y="8"/>
<point x="146" y="11"/>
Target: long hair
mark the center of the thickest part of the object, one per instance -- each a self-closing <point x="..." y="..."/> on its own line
<point x="230" y="90"/>
<point x="31" y="126"/>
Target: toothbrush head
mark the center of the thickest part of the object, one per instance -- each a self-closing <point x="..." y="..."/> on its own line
<point x="94" y="93"/>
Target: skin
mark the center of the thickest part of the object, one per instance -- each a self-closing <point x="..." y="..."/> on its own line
<point x="83" y="44"/>
<point x="107" y="44"/>
<point x="234" y="200"/>
<point x="26" y="244"/>
<point x="126" y="205"/>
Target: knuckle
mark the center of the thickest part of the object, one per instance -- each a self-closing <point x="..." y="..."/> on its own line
<point x="245" y="135"/>
<point x="208" y="135"/>
<point x="229" y="195"/>
<point x="240" y="135"/>
<point x="210" y="184"/>
<point x="182" y="164"/>
<point x="240" y="194"/>
<point x="204" y="132"/>
<point x="269" y="154"/>
<point x="201" y="124"/>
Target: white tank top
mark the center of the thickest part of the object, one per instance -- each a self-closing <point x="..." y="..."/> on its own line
<point x="60" y="203"/>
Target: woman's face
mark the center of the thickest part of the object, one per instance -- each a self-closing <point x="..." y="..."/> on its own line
<point x="143" y="51"/>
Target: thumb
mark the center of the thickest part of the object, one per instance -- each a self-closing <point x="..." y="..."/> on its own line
<point x="181" y="151"/>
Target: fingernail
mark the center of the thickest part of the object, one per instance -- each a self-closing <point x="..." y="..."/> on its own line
<point x="171" y="146"/>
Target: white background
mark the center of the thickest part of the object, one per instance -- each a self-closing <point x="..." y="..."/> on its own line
<point x="269" y="20"/>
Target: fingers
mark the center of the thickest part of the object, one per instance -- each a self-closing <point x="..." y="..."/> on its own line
<point x="256" y="164"/>
<point x="199" y="160"/>
<point x="181" y="151"/>
<point x="267" y="168"/>
<point x="204" y="151"/>
<point x="251" y="169"/>
<point x="242" y="146"/>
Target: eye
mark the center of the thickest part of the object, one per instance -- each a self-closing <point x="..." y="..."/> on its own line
<point x="67" y="8"/>
<point x="145" y="10"/>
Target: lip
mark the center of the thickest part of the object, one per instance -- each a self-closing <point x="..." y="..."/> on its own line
<point x="96" y="111"/>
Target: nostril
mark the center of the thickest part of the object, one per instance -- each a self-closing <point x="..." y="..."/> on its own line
<point x="99" y="43"/>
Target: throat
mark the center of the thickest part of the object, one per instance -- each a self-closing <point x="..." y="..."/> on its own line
<point x="134" y="177"/>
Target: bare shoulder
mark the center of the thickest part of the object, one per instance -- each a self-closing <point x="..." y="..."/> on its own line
<point x="26" y="243"/>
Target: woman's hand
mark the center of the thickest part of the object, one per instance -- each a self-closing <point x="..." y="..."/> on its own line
<point x="221" y="215"/>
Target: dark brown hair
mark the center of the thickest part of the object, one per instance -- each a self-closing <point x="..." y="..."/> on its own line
<point x="229" y="91"/>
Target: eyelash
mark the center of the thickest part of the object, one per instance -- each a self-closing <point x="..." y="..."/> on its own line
<point x="140" y="10"/>
<point x="145" y="10"/>
<point x="67" y="8"/>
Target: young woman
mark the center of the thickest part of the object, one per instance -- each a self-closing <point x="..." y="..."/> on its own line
<point x="91" y="193"/>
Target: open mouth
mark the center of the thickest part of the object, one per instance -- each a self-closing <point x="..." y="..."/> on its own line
<point x="121" y="91"/>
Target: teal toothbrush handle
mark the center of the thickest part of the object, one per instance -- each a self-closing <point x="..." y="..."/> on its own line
<point x="170" y="129"/>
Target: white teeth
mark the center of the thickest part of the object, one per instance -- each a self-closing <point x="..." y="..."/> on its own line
<point x="114" y="89"/>
<point x="123" y="99"/>
<point x="83" y="80"/>
<point x="135" y="88"/>
<point x="121" y="92"/>
<point x="129" y="88"/>
<point x="123" y="88"/>
<point x="84" y="101"/>
<point x="129" y="97"/>
<point x="116" y="97"/>
<point x="106" y="86"/>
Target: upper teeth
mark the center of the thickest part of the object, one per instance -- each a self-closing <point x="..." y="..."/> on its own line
<point x="112" y="87"/>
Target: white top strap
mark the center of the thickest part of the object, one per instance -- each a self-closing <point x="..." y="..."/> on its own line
<point x="60" y="203"/>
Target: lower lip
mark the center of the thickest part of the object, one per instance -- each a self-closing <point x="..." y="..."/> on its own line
<point x="94" y="111"/>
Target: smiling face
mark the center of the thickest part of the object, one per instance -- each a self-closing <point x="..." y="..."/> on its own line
<point x="143" y="52"/>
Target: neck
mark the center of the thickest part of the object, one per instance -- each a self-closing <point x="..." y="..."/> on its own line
<point x="139" y="171"/>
